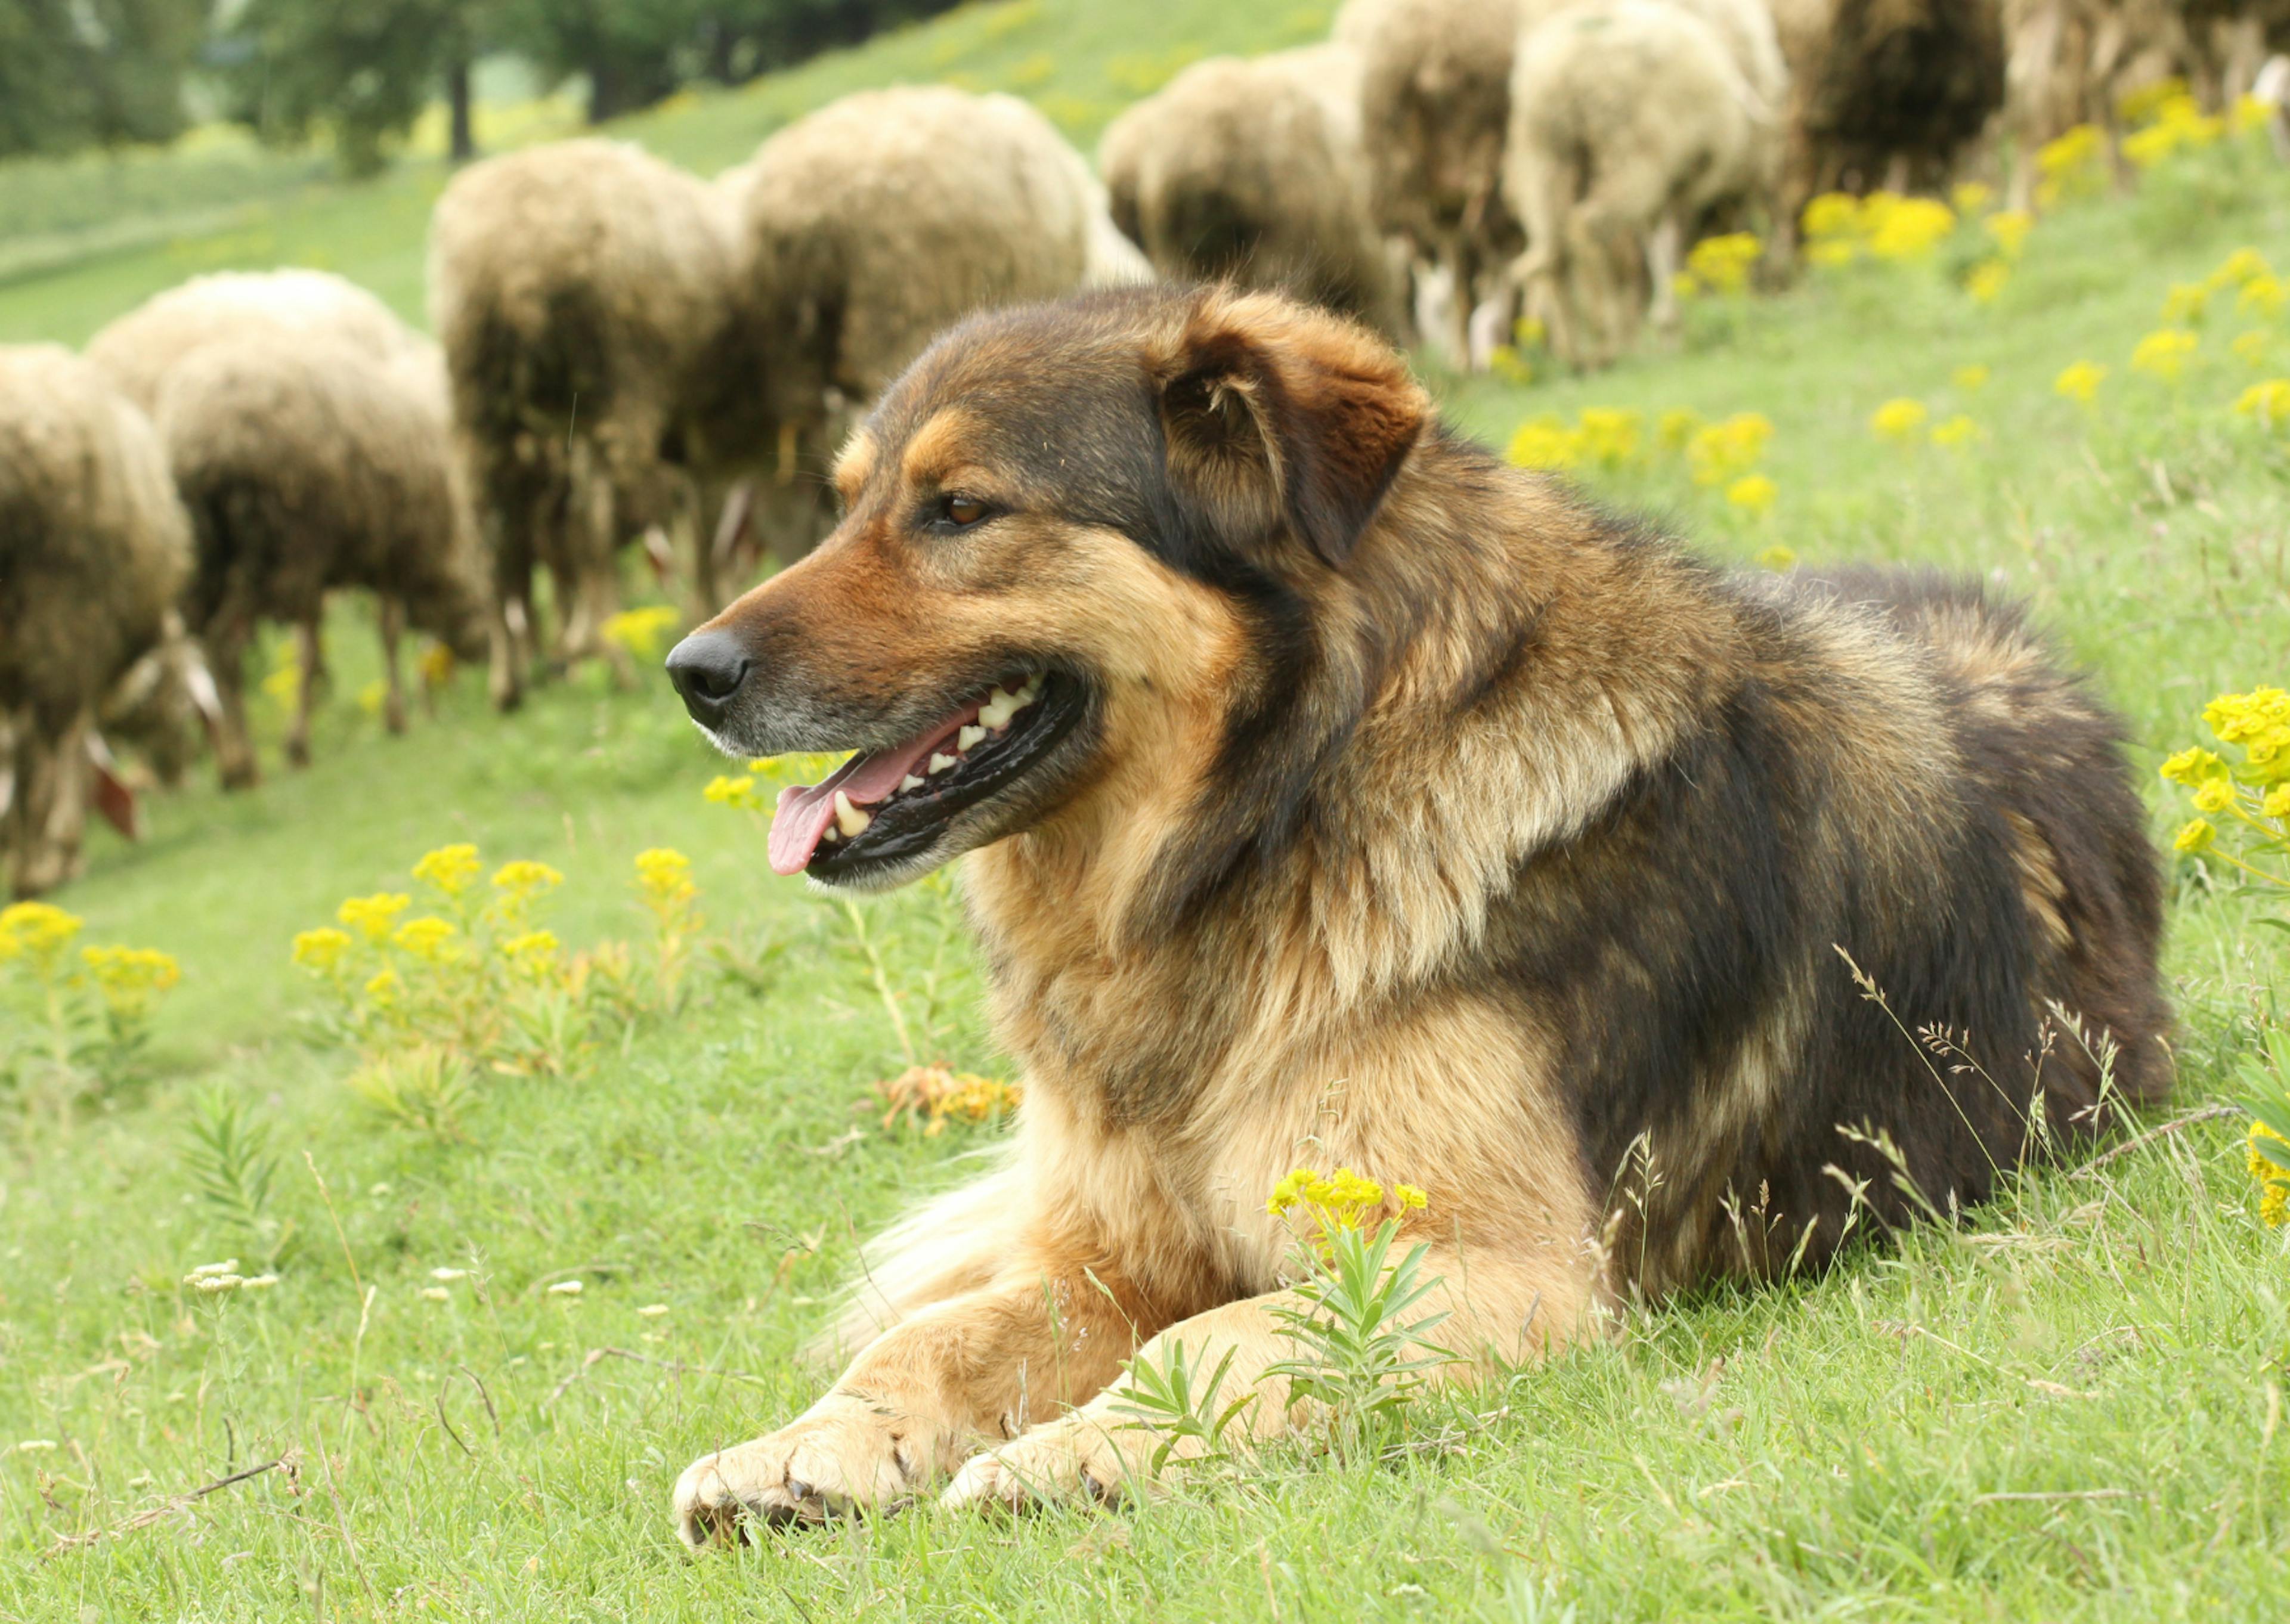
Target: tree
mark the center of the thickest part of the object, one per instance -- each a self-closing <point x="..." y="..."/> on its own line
<point x="363" y="72"/>
<point x="77" y="72"/>
<point x="633" y="52"/>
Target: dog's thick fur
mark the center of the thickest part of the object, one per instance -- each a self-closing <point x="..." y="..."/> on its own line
<point x="1428" y="821"/>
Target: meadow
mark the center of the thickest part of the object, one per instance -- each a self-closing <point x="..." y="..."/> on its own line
<point x="502" y="1321"/>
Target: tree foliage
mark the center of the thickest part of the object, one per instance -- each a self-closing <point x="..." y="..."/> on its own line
<point x="79" y="73"/>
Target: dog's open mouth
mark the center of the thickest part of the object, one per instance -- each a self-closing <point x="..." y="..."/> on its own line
<point x="889" y="805"/>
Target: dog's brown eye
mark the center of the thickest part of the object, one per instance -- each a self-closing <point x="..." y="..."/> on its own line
<point x="963" y="509"/>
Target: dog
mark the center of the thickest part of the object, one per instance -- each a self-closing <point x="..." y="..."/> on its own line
<point x="1333" y="793"/>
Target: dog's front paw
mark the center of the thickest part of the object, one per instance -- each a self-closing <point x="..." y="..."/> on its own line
<point x="845" y="1453"/>
<point x="1089" y="1454"/>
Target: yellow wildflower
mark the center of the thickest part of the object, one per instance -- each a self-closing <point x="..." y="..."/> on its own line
<point x="2268" y="1157"/>
<point x="2243" y="265"/>
<point x="665" y="877"/>
<point x="384" y="987"/>
<point x="2193" y="765"/>
<point x="452" y="869"/>
<point x="427" y="938"/>
<point x="1724" y="450"/>
<point x="1674" y="428"/>
<point x="128" y="978"/>
<point x="1970" y="377"/>
<point x="1339" y="1201"/>
<point x="2080" y="381"/>
<point x="1987" y="281"/>
<point x="2069" y="154"/>
<point x="37" y="931"/>
<point x="2196" y="837"/>
<point x="2262" y="297"/>
<point x="435" y="666"/>
<point x="1831" y="216"/>
<point x="2184" y="303"/>
<point x="2009" y="230"/>
<point x="1830" y="252"/>
<point x="531" y="952"/>
<point x="1506" y="362"/>
<point x="1971" y="197"/>
<point x="2267" y="401"/>
<point x="2163" y="353"/>
<point x="2259" y="722"/>
<point x="1547" y="444"/>
<point x="735" y="792"/>
<point x="2140" y="106"/>
<point x="1528" y="332"/>
<point x="1777" y="559"/>
<point x="1898" y="419"/>
<point x="2247" y="113"/>
<point x="1753" y="494"/>
<point x="1409" y="1198"/>
<point x="1609" y="436"/>
<point x="2277" y="803"/>
<point x="322" y="949"/>
<point x="1956" y="431"/>
<point x="1723" y="263"/>
<point x="1906" y="227"/>
<point x="523" y="880"/>
<point x="640" y="631"/>
<point x="2214" y="795"/>
<point x="373" y="916"/>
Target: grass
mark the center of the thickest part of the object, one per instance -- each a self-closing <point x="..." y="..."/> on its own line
<point x="2070" y="1408"/>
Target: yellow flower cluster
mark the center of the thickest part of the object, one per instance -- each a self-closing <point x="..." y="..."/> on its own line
<point x="374" y="917"/>
<point x="2268" y="1161"/>
<point x="934" y="1095"/>
<point x="1600" y="437"/>
<point x="1340" y="1200"/>
<point x="641" y="631"/>
<point x="2179" y="125"/>
<point x="2268" y="402"/>
<point x="522" y="880"/>
<point x="2080" y="381"/>
<point x="1723" y="452"/>
<point x="128" y="979"/>
<point x="665" y="875"/>
<point x="2072" y="163"/>
<point x="738" y="793"/>
<point x="2163" y="353"/>
<point x="1840" y="228"/>
<point x="2254" y="794"/>
<point x="429" y="938"/>
<point x="1722" y="264"/>
<point x="1955" y="432"/>
<point x="531" y="953"/>
<point x="1900" y="421"/>
<point x="38" y="932"/>
<point x="2259" y="722"/>
<point x="452" y="869"/>
<point x="323" y="949"/>
<point x="1753" y="493"/>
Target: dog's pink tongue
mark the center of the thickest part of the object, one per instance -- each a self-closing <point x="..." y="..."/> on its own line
<point x="804" y="812"/>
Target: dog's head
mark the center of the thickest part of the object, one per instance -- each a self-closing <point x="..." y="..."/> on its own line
<point x="1061" y="528"/>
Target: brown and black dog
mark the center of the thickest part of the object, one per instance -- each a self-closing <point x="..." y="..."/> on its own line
<point x="1335" y="795"/>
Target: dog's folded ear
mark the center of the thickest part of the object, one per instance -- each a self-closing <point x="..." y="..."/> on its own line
<point x="1280" y="416"/>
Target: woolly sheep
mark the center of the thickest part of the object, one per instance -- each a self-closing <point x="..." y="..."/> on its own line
<point x="140" y="350"/>
<point x="1631" y="123"/>
<point x="1435" y="103"/>
<point x="1253" y="170"/>
<point x="306" y="465"/>
<point x="1883" y="92"/>
<point x="873" y="223"/>
<point x="581" y="290"/>
<point x="94" y="549"/>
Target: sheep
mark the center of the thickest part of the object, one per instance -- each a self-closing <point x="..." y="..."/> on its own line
<point x="1883" y="92"/>
<point x="874" y="222"/>
<point x="2071" y="62"/>
<point x="1631" y="123"/>
<point x="141" y="347"/>
<point x="579" y="291"/>
<point x="1434" y="104"/>
<point x="1253" y="170"/>
<point x="304" y="466"/>
<point x="94" y="549"/>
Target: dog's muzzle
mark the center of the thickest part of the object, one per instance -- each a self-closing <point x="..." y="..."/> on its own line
<point x="708" y="669"/>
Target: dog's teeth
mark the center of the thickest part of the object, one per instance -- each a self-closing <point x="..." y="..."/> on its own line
<point x="910" y="782"/>
<point x="967" y="737"/>
<point x="833" y="837"/>
<point x="996" y="711"/>
<point x="1031" y="692"/>
<point x="941" y="764"/>
<point x="848" y="817"/>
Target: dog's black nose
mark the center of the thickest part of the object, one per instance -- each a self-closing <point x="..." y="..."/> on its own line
<point x="707" y="669"/>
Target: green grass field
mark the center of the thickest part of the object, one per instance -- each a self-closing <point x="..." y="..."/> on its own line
<point x="2069" y="1409"/>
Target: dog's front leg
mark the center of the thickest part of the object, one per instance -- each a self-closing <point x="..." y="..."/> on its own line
<point x="920" y="1398"/>
<point x="1507" y="1309"/>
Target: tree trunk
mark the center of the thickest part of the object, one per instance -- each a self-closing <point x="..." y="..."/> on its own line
<point x="457" y="94"/>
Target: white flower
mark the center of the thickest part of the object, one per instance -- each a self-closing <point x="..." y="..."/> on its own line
<point x="258" y="1283"/>
<point x="565" y="1288"/>
<point x="213" y="1283"/>
<point x="653" y="1310"/>
<point x="36" y="1446"/>
<point x="228" y="1266"/>
<point x="449" y="1273"/>
<point x="436" y="1293"/>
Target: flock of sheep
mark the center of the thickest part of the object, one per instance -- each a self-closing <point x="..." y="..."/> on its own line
<point x="624" y="351"/>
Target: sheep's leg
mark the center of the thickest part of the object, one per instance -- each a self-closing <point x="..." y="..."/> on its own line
<point x="1664" y="256"/>
<point x="309" y="659"/>
<point x="225" y="645"/>
<point x="393" y="628"/>
<point x="51" y="803"/>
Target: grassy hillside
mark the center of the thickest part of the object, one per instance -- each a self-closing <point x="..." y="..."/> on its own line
<point x="2070" y="1408"/>
<point x="87" y="237"/>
